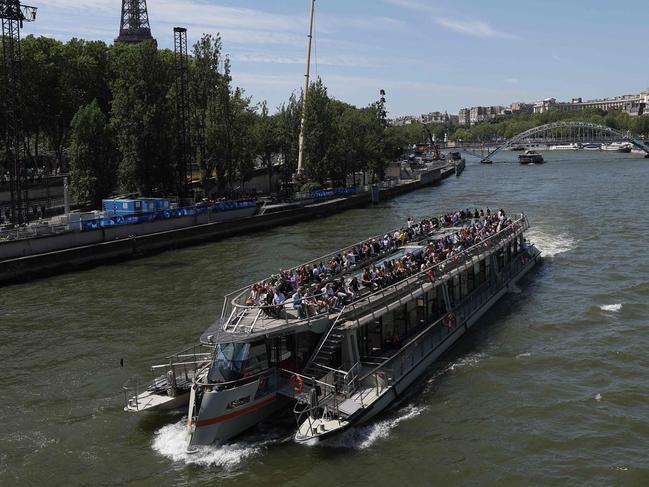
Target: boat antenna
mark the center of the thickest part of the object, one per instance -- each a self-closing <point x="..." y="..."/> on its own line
<point x="300" y="158"/>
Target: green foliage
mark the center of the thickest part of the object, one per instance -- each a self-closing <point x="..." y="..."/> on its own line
<point x="140" y="118"/>
<point x="341" y="139"/>
<point x="92" y="162"/>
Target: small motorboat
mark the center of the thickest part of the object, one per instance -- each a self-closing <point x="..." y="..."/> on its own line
<point x="530" y="157"/>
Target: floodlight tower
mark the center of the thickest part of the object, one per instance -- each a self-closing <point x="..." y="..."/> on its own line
<point x="181" y="64"/>
<point x="12" y="15"/>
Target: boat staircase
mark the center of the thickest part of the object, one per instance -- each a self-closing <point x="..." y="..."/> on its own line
<point x="321" y="361"/>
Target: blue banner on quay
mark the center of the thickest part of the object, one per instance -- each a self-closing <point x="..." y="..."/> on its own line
<point x="165" y="214"/>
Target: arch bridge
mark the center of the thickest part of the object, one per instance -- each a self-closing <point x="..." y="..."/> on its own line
<point x="568" y="132"/>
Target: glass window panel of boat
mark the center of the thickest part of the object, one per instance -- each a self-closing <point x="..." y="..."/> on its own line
<point x="228" y="362"/>
<point x="257" y="359"/>
<point x="431" y="305"/>
<point x="306" y="343"/>
<point x="387" y="322"/>
<point x="400" y="317"/>
<point x="470" y="278"/>
<point x="413" y="316"/>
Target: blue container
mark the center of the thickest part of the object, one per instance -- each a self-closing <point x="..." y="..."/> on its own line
<point x="148" y="205"/>
<point x="161" y="203"/>
<point x="121" y="207"/>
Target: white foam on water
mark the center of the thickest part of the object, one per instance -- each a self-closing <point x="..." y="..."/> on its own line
<point x="470" y="360"/>
<point x="612" y="308"/>
<point x="552" y="245"/>
<point x="171" y="442"/>
<point x="524" y="355"/>
<point x="362" y="437"/>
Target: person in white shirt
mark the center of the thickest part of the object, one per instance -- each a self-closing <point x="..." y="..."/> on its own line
<point x="278" y="301"/>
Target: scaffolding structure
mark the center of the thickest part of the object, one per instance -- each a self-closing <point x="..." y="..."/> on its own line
<point x="181" y="63"/>
<point x="12" y="16"/>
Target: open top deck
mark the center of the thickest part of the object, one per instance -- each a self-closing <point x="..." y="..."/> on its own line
<point x="241" y="322"/>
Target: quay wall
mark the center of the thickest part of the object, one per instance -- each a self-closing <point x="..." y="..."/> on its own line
<point x="89" y="251"/>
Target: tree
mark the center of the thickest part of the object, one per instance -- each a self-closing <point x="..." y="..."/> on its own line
<point x="204" y="89"/>
<point x="140" y="117"/>
<point x="266" y="138"/>
<point x="319" y="132"/>
<point x="92" y="161"/>
<point x="288" y="132"/>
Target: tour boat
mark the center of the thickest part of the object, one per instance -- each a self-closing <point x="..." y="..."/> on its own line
<point x="565" y="147"/>
<point x="592" y="146"/>
<point x="319" y="361"/>
<point x="530" y="157"/>
<point x="617" y="147"/>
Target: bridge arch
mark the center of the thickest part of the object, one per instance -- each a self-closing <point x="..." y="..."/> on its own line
<point x="570" y="125"/>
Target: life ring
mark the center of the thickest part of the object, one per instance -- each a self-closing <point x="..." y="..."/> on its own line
<point x="297" y="383"/>
<point x="431" y="275"/>
<point x="449" y="321"/>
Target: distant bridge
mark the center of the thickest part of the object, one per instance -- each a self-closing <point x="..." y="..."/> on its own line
<point x="568" y="132"/>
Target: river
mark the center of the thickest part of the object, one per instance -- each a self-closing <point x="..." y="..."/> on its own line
<point x="550" y="388"/>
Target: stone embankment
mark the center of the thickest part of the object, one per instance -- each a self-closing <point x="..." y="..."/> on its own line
<point x="48" y="258"/>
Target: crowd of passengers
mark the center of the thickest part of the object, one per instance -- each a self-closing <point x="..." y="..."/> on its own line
<point x="314" y="289"/>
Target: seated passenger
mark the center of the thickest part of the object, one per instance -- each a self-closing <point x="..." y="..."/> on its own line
<point x="297" y="303"/>
<point x="278" y="302"/>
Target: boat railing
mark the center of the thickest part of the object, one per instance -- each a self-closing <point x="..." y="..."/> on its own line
<point x="240" y="311"/>
<point x="442" y="270"/>
<point x="234" y="295"/>
<point x="324" y="339"/>
<point x="335" y="386"/>
<point x="234" y="383"/>
<point x="434" y="272"/>
<point x="194" y="351"/>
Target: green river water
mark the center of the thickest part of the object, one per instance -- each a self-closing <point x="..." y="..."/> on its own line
<point x="550" y="388"/>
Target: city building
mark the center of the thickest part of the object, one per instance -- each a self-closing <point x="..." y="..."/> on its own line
<point x="480" y="114"/>
<point x="464" y="117"/>
<point x="521" y="107"/>
<point x="632" y="104"/>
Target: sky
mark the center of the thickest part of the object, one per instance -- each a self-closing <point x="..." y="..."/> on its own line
<point x="428" y="55"/>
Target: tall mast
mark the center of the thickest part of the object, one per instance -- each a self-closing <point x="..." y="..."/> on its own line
<point x="300" y="159"/>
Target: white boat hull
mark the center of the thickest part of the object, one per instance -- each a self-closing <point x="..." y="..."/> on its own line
<point x="218" y="420"/>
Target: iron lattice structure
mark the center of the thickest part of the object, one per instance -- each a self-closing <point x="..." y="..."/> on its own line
<point x="572" y="131"/>
<point x="181" y="63"/>
<point x="12" y="16"/>
<point x="134" y="26"/>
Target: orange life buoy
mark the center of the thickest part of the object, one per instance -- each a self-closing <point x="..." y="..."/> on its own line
<point x="297" y="383"/>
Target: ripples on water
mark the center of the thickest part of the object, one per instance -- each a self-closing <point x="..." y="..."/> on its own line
<point x="549" y="390"/>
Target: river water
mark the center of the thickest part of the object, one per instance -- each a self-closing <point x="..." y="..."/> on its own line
<point x="551" y="388"/>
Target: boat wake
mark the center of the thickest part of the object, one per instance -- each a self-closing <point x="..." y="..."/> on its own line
<point x="552" y="245"/>
<point x="171" y="442"/>
<point x="362" y="437"/>
<point x="611" y="308"/>
<point x="470" y="360"/>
